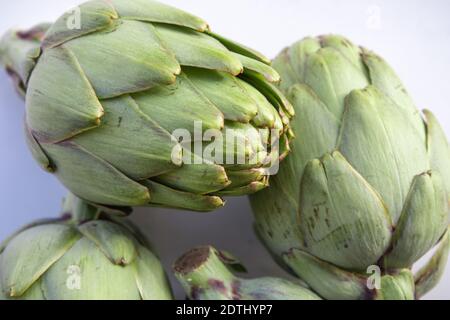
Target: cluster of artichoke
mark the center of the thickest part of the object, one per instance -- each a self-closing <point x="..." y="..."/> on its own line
<point x="361" y="194"/>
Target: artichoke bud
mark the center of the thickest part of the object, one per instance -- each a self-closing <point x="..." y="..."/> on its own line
<point x="349" y="196"/>
<point x="130" y="103"/>
<point x="84" y="255"/>
<point x="207" y="274"/>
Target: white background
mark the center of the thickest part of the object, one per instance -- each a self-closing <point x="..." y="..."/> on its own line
<point x="413" y="36"/>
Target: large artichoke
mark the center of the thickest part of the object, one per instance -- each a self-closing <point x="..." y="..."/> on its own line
<point x="106" y="100"/>
<point x="365" y="192"/>
<point x="206" y="273"/>
<point x="84" y="255"/>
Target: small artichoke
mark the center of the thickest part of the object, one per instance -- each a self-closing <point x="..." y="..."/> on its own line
<point x="123" y="106"/>
<point x="206" y="274"/>
<point x="84" y="255"/>
<point x="365" y="191"/>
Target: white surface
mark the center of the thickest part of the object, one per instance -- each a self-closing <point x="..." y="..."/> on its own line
<point x="414" y="36"/>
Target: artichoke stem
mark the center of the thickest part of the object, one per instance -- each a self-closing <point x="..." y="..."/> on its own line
<point x="19" y="51"/>
<point x="78" y="210"/>
<point x="201" y="270"/>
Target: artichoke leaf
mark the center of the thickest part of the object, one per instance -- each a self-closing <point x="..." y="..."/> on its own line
<point x="282" y="63"/>
<point x="113" y="240"/>
<point x="154" y="11"/>
<point x="165" y="196"/>
<point x="270" y="209"/>
<point x="243" y="143"/>
<point x="150" y="277"/>
<point x="266" y="116"/>
<point x="429" y="275"/>
<point x="271" y="92"/>
<point x="438" y="149"/>
<point x="126" y="128"/>
<point x="240" y="49"/>
<point x="384" y="78"/>
<point x="36" y="151"/>
<point x="204" y="176"/>
<point x="34" y="292"/>
<point x="376" y="139"/>
<point x="5" y="242"/>
<point x="329" y="281"/>
<point x="89" y="176"/>
<point x="85" y="273"/>
<point x="131" y="227"/>
<point x="397" y="287"/>
<point x="347" y="49"/>
<point x="136" y="49"/>
<point x="31" y="253"/>
<point x="256" y="66"/>
<point x="242" y="178"/>
<point x="226" y="92"/>
<point x="251" y="188"/>
<point x="317" y="124"/>
<point x="196" y="49"/>
<point x="56" y="78"/>
<point x="422" y="223"/>
<point x="183" y="99"/>
<point x="341" y="217"/>
<point x="269" y="288"/>
<point x="314" y="117"/>
<point x="93" y="16"/>
<point x="298" y="55"/>
<point x="332" y="78"/>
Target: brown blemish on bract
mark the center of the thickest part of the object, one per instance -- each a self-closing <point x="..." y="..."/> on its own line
<point x="217" y="285"/>
<point x="196" y="292"/>
<point x="192" y="260"/>
<point x="122" y="262"/>
<point x="35" y="34"/>
<point x="235" y="290"/>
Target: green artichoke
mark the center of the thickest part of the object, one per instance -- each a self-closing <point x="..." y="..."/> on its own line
<point x="123" y="107"/>
<point x="84" y="255"/>
<point x="365" y="191"/>
<point x="206" y="274"/>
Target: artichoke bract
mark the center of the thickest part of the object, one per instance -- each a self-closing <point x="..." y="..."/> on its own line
<point x="365" y="191"/>
<point x="84" y="255"/>
<point x="206" y="273"/>
<point x="123" y="99"/>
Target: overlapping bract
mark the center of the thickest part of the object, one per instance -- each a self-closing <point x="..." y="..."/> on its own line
<point x="367" y="182"/>
<point x="106" y="96"/>
<point x="65" y="259"/>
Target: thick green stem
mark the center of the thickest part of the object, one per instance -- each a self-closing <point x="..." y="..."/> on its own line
<point x="19" y="51"/>
<point x="204" y="274"/>
<point x="79" y="211"/>
<point x="202" y="271"/>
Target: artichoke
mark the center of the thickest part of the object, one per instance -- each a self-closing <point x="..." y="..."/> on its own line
<point x="365" y="191"/>
<point x="84" y="255"/>
<point x="206" y="274"/>
<point x="141" y="104"/>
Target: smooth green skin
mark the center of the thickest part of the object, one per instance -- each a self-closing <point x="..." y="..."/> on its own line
<point x="103" y="101"/>
<point x="207" y="274"/>
<point x="66" y="259"/>
<point x="367" y="182"/>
